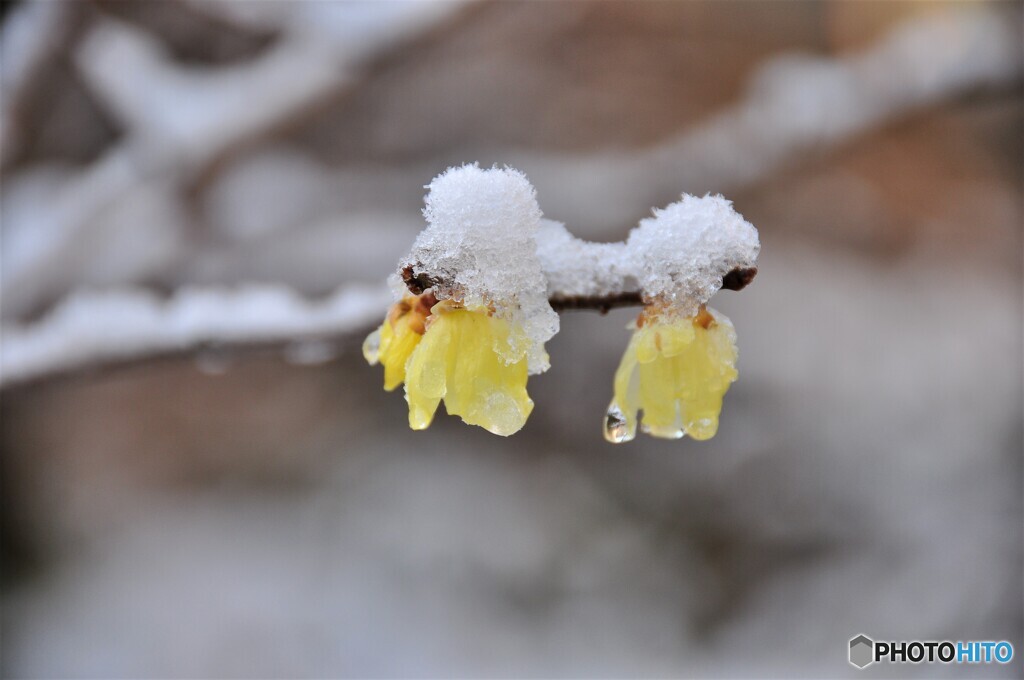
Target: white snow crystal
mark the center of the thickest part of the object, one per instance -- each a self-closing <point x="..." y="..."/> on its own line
<point x="480" y="247"/>
<point x="681" y="254"/>
<point x="575" y="267"/>
<point x="678" y="256"/>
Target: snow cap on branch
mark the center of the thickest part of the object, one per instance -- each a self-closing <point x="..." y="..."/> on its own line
<point x="681" y="254"/>
<point x="578" y="268"/>
<point x="481" y="249"/>
<point x="488" y="247"/>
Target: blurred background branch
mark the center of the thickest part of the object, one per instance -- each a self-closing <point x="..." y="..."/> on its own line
<point x="141" y="212"/>
<point x="92" y="330"/>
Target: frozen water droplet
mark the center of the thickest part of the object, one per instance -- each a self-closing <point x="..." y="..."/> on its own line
<point x="617" y="428"/>
<point x="371" y="347"/>
<point x="663" y="432"/>
<point x="499" y="414"/>
<point x="702" y="428"/>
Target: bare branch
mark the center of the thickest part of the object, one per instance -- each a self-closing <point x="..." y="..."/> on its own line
<point x="737" y="279"/>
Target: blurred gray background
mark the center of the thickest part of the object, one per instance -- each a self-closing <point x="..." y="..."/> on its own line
<point x="205" y="510"/>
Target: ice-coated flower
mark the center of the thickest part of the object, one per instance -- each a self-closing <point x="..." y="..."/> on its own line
<point x="675" y="371"/>
<point x="458" y="362"/>
<point x="445" y="352"/>
<point x="484" y="330"/>
<point x="489" y="271"/>
<point x="480" y="249"/>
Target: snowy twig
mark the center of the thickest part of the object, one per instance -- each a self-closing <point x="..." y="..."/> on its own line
<point x="487" y="244"/>
<point x="737" y="279"/>
<point x="196" y="115"/>
<point x="180" y="120"/>
<point x="796" y="104"/>
<point x="91" y="330"/>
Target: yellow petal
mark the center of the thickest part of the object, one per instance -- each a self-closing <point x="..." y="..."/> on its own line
<point x="399" y="350"/>
<point x="426" y="377"/>
<point x="393" y="343"/>
<point x="647" y="343"/>
<point x="657" y="393"/>
<point x="711" y="361"/>
<point x="457" y="362"/>
<point x="675" y="372"/>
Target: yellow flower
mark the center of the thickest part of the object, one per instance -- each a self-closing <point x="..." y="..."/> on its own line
<point x="393" y="343"/>
<point x="457" y="362"/>
<point x="442" y="351"/>
<point x="674" y="371"/>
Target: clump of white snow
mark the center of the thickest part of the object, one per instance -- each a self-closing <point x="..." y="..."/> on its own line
<point x="480" y="247"/>
<point x="575" y="267"/>
<point x="488" y="246"/>
<point x="680" y="255"/>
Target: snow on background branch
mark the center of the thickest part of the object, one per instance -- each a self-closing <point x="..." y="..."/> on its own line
<point x="124" y="325"/>
<point x="129" y="216"/>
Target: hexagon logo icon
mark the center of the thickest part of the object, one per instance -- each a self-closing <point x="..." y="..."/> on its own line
<point x="862" y="650"/>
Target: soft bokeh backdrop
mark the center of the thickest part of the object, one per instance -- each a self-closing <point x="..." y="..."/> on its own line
<point x="206" y="510"/>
